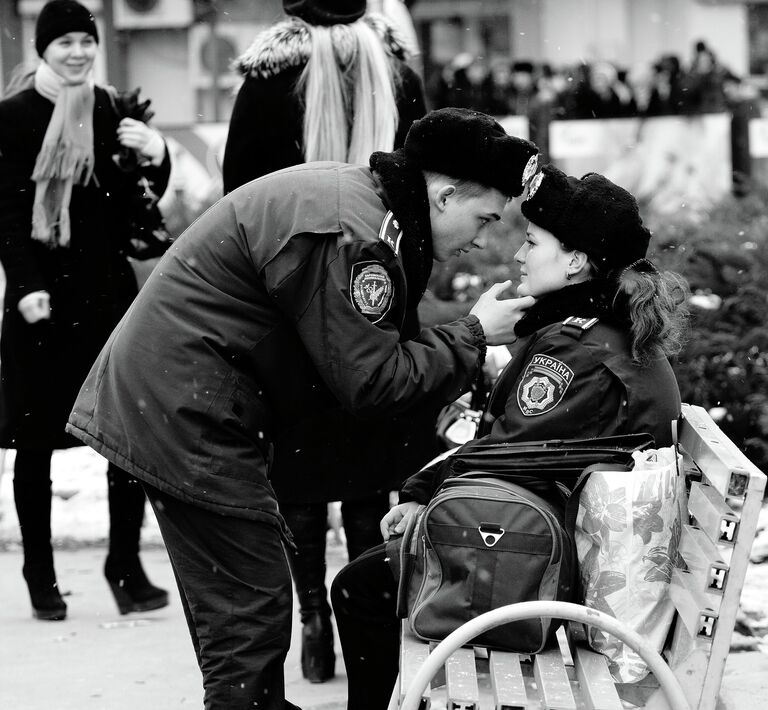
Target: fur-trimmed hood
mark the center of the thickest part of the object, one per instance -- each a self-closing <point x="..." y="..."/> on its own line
<point x="286" y="45"/>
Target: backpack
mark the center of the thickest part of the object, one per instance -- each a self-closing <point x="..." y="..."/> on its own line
<point x="479" y="544"/>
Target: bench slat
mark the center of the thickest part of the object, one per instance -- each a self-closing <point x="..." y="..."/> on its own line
<point x="507" y="681"/>
<point x="413" y="653"/>
<point x="597" y="685"/>
<point x="703" y="559"/>
<point x="461" y="681"/>
<point x="692" y="605"/>
<point x="552" y="679"/>
<point x="724" y="466"/>
<point x="712" y="514"/>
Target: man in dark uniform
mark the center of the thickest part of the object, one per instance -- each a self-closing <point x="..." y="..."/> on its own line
<point x="287" y="297"/>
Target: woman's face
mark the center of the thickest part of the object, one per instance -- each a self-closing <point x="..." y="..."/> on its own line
<point x="543" y="263"/>
<point x="71" y="56"/>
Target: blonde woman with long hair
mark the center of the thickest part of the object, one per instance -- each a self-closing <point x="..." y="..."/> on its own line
<point x="329" y="83"/>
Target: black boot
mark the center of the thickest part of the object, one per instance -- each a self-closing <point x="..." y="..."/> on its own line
<point x="309" y="524"/>
<point x="32" y="495"/>
<point x="125" y="575"/>
<point x="318" y="660"/>
<point x="47" y="604"/>
<point x="130" y="586"/>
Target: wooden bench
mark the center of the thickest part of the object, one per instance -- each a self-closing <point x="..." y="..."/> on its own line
<point x="725" y="497"/>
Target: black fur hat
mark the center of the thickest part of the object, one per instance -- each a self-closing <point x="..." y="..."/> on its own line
<point x="326" y="12"/>
<point x="59" y="17"/>
<point x="469" y="145"/>
<point x="590" y="214"/>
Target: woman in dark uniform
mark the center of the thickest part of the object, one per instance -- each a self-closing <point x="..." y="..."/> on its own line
<point x="591" y="360"/>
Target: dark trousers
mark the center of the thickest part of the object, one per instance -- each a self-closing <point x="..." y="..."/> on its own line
<point x="32" y="496"/>
<point x="309" y="524"/>
<point x="235" y="589"/>
<point x="364" y="598"/>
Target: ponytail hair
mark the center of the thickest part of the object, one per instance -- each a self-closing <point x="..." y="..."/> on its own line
<point x="348" y="87"/>
<point x="655" y="303"/>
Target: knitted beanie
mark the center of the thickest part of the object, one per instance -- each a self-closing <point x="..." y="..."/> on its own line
<point x="59" y="17"/>
<point x="590" y="214"/>
<point x="469" y="145"/>
<point x="326" y="12"/>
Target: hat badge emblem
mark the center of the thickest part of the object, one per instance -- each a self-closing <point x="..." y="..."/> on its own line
<point x="530" y="168"/>
<point x="535" y="184"/>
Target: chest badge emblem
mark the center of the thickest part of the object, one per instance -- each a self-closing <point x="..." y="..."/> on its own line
<point x="543" y="385"/>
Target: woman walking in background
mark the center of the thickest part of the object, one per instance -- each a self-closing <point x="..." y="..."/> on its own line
<point x="68" y="212"/>
<point x="329" y="83"/>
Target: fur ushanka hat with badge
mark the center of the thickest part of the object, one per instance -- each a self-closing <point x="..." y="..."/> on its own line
<point x="469" y="145"/>
<point x="590" y="214"/>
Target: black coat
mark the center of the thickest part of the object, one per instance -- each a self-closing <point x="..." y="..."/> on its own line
<point x="265" y="130"/>
<point x="91" y="282"/>
<point x="328" y="456"/>
<point x="574" y="380"/>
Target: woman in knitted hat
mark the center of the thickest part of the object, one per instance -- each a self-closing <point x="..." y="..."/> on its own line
<point x="67" y="213"/>
<point x="330" y="82"/>
<point x="591" y="360"/>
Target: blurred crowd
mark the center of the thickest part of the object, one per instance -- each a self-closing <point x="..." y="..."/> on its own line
<point x="595" y="90"/>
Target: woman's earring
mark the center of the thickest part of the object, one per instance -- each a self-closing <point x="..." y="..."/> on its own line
<point x="568" y="275"/>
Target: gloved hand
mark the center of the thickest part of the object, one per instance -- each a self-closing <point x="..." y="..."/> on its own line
<point x="143" y="138"/>
<point x="35" y="306"/>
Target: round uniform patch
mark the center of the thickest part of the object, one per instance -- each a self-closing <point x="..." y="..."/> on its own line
<point x="543" y="385"/>
<point x="371" y="289"/>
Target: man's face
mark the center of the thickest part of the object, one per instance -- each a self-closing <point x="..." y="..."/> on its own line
<point x="460" y="222"/>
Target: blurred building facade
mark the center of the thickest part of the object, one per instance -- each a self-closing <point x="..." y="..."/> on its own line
<point x="178" y="51"/>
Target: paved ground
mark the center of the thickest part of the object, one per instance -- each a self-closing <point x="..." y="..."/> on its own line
<point x="99" y="660"/>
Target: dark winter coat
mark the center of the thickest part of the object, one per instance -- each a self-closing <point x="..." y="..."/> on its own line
<point x="333" y="456"/>
<point x="265" y="130"/>
<point x="280" y="302"/>
<point x="571" y="379"/>
<point x="90" y="282"/>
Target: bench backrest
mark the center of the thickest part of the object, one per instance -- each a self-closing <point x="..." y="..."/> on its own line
<point x="725" y="497"/>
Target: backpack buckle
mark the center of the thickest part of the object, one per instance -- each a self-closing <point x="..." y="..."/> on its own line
<point x="490" y="533"/>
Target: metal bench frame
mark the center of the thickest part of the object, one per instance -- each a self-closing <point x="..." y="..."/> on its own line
<point x="725" y="496"/>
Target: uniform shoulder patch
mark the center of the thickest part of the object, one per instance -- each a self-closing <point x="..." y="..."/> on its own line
<point x="543" y="384"/>
<point x="390" y="232"/>
<point x="370" y="289"/>
<point x="581" y="323"/>
<point x="576" y="327"/>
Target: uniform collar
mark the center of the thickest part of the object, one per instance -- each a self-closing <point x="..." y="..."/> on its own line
<point x="404" y="191"/>
<point x="590" y="299"/>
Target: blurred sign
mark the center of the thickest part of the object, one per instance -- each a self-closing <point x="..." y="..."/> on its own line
<point x="672" y="163"/>
<point x="758" y="137"/>
<point x="515" y="125"/>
